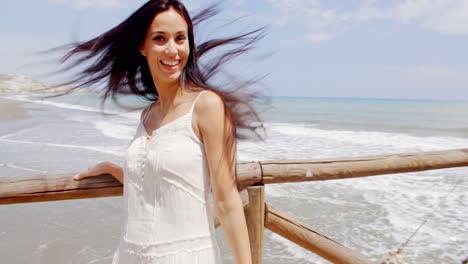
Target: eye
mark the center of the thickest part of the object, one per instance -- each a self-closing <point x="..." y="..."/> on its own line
<point x="158" y="38"/>
<point x="181" y="37"/>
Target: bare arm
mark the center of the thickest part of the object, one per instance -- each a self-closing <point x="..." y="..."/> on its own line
<point x="227" y="201"/>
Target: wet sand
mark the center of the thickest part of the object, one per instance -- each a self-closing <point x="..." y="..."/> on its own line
<point x="10" y="110"/>
<point x="51" y="232"/>
<point x="14" y="115"/>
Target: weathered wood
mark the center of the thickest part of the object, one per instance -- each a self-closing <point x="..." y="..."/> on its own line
<point x="255" y="217"/>
<point x="15" y="189"/>
<point x="297" y="232"/>
<point x="248" y="174"/>
<point x="56" y="187"/>
<point x="62" y="187"/>
<point x="63" y="195"/>
<point x="330" y="169"/>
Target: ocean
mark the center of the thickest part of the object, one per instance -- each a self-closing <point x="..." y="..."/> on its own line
<point x="372" y="215"/>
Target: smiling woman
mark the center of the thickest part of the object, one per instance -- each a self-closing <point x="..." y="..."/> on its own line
<point x="166" y="46"/>
<point x="184" y="148"/>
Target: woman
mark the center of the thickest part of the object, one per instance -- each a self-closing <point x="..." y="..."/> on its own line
<point x="185" y="144"/>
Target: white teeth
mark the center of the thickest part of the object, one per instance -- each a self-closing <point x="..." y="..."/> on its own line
<point x="172" y="63"/>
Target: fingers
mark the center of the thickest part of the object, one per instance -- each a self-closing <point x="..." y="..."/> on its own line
<point x="79" y="176"/>
<point x="93" y="170"/>
<point x="82" y="175"/>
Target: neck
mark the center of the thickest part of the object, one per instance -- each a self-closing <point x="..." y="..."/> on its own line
<point x="168" y="93"/>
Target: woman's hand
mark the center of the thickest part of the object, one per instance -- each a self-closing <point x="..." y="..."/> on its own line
<point x="105" y="167"/>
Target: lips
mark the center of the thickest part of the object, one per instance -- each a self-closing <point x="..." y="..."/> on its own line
<point x="170" y="65"/>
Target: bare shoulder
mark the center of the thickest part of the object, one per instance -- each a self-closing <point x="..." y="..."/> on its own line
<point x="210" y="99"/>
<point x="210" y="114"/>
<point x="209" y="102"/>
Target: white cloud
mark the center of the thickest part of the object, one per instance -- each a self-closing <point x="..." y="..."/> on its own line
<point x="444" y="16"/>
<point x="104" y="4"/>
<point x="453" y="21"/>
<point x="284" y="11"/>
<point x="368" y="13"/>
<point x="191" y="5"/>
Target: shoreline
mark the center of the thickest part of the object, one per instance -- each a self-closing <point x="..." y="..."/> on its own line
<point x="371" y="215"/>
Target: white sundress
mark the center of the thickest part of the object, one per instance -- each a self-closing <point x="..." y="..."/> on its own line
<point x="168" y="216"/>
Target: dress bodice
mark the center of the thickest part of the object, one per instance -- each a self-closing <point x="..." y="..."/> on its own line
<point x="167" y="194"/>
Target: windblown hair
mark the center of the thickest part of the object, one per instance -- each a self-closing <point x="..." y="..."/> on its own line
<point x="114" y="58"/>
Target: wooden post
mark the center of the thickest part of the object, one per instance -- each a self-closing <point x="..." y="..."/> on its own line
<point x="255" y="216"/>
<point x="304" y="236"/>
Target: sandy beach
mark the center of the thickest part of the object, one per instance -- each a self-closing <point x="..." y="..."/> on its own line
<point x="14" y="115"/>
<point x="10" y="110"/>
<point x="370" y="215"/>
<point x="50" y="231"/>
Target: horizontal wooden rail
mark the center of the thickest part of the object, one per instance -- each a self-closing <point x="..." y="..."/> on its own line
<point x="19" y="189"/>
<point x="332" y="169"/>
<point x="56" y="187"/>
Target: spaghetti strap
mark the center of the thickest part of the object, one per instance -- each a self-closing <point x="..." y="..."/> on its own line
<point x="194" y="101"/>
<point x="146" y="113"/>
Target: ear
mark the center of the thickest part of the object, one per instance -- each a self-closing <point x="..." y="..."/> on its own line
<point x="141" y="49"/>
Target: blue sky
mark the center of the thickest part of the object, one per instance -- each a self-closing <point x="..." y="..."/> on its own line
<point x="319" y="48"/>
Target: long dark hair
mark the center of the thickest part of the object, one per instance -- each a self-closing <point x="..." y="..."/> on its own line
<point x="113" y="57"/>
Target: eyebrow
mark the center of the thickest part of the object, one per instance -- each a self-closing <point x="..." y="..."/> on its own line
<point x="163" y="32"/>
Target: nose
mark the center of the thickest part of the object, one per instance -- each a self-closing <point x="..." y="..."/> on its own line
<point x="171" y="48"/>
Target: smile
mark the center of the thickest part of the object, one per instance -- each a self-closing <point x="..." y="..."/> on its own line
<point x="170" y="63"/>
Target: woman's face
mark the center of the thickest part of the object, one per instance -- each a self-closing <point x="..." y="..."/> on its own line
<point x="166" y="46"/>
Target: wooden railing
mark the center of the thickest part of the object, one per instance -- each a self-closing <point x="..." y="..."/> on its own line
<point x="253" y="176"/>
